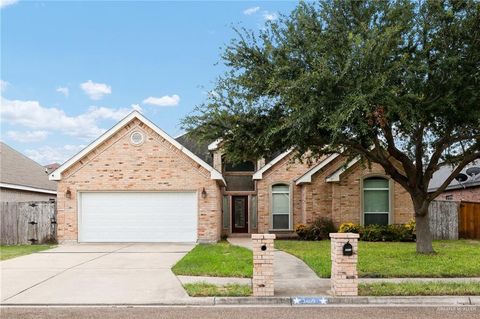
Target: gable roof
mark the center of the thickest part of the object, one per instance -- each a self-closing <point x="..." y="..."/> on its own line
<point x="335" y="176"/>
<point x="259" y="174"/>
<point x="444" y="172"/>
<point x="56" y="175"/>
<point x="307" y="177"/>
<point x="196" y="146"/>
<point x="20" y="172"/>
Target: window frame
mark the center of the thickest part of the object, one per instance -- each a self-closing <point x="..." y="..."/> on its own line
<point x="290" y="210"/>
<point x="390" y="190"/>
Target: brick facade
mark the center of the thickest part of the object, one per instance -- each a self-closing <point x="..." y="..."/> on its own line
<point x="341" y="201"/>
<point x="470" y="194"/>
<point x="156" y="165"/>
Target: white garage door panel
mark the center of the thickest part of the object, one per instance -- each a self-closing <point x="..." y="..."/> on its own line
<point x="138" y="217"/>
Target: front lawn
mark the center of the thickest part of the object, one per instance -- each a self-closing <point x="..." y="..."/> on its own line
<point x="12" y="251"/>
<point x="217" y="260"/>
<point x="454" y="258"/>
<point x="203" y="289"/>
<point x="420" y="289"/>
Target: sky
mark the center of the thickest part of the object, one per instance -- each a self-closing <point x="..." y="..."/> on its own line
<point x="71" y="70"/>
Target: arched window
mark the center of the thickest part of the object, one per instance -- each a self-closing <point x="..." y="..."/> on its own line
<point x="376" y="201"/>
<point x="281" y="206"/>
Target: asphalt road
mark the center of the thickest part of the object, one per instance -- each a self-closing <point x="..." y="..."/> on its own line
<point x="345" y="312"/>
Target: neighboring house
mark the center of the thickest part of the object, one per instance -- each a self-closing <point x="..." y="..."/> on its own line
<point x="466" y="187"/>
<point x="51" y="167"/>
<point x="22" y="179"/>
<point x="135" y="183"/>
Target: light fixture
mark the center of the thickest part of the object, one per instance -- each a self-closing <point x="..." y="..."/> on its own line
<point x="68" y="193"/>
<point x="204" y="193"/>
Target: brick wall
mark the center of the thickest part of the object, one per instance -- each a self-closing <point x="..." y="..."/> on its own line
<point x="156" y="165"/>
<point x="284" y="172"/>
<point x="347" y="196"/>
<point x="471" y="194"/>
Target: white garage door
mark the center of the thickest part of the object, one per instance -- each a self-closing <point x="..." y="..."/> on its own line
<point x="137" y="217"/>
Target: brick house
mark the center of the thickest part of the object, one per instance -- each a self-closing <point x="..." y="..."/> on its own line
<point x="466" y="187"/>
<point x="135" y="183"/>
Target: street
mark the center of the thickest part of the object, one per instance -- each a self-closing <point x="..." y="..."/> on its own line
<point x="279" y="312"/>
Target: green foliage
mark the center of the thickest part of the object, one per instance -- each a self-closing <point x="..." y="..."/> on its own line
<point x="318" y="230"/>
<point x="396" y="232"/>
<point x="454" y="258"/>
<point x="218" y="260"/>
<point x="203" y="289"/>
<point x="413" y="288"/>
<point x="350" y="228"/>
<point x="401" y="76"/>
<point x="12" y="251"/>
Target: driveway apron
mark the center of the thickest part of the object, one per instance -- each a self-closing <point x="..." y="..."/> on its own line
<point x="94" y="274"/>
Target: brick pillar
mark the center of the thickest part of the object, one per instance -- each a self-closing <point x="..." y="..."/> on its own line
<point x="344" y="277"/>
<point x="262" y="245"/>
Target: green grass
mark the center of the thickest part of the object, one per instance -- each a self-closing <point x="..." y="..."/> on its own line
<point x="454" y="258"/>
<point x="12" y="251"/>
<point x="217" y="260"/>
<point x="420" y="289"/>
<point x="203" y="289"/>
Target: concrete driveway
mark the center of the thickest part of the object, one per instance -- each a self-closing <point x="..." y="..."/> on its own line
<point x="95" y="274"/>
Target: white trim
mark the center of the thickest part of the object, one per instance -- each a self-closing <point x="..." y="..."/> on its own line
<point x="307" y="177"/>
<point x="335" y="177"/>
<point x="57" y="174"/>
<point x="214" y="145"/>
<point x="28" y="188"/>
<point x="259" y="174"/>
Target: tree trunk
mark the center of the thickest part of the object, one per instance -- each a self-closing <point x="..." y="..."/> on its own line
<point x="424" y="235"/>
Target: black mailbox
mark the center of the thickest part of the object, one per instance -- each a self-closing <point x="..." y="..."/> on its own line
<point x="347" y="249"/>
<point x="264" y="247"/>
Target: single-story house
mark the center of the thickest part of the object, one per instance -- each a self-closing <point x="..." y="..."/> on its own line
<point x="136" y="183"/>
<point x="22" y="179"/>
<point x="465" y="187"/>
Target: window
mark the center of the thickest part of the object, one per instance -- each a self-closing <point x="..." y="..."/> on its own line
<point x="253" y="211"/>
<point x="226" y="213"/>
<point x="376" y="201"/>
<point x="247" y="166"/>
<point x="449" y="197"/>
<point x="280" y="206"/>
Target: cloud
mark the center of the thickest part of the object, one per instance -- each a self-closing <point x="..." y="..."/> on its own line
<point x="33" y="116"/>
<point x="6" y="3"/>
<point x="163" y="101"/>
<point x="270" y="16"/>
<point x="27" y="136"/>
<point x="64" y="90"/>
<point x="251" y="10"/>
<point x="136" y="107"/>
<point x="3" y="85"/>
<point x="47" y="154"/>
<point x="95" y="91"/>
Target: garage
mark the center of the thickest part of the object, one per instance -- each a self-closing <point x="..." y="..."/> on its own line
<point x="138" y="217"/>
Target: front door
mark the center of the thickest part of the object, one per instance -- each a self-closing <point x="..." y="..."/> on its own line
<point x="239" y="214"/>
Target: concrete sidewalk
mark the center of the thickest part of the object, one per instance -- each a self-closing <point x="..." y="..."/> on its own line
<point x="291" y="275"/>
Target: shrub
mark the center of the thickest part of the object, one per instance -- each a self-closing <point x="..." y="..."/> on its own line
<point x="301" y="230"/>
<point x="350" y="228"/>
<point x="318" y="230"/>
<point x="373" y="233"/>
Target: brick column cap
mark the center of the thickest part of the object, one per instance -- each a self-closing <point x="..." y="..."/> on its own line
<point x="263" y="236"/>
<point x="344" y="235"/>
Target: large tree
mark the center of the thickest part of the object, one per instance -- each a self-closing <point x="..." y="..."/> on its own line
<point x="394" y="82"/>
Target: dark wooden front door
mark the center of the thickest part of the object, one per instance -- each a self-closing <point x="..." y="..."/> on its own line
<point x="239" y="214"/>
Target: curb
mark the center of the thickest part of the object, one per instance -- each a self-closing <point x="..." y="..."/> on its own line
<point x="285" y="301"/>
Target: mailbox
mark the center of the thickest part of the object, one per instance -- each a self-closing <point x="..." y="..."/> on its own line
<point x="263" y="248"/>
<point x="347" y="249"/>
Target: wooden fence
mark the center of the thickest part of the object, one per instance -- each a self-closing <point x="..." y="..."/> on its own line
<point x="469" y="220"/>
<point x="444" y="219"/>
<point x="27" y="222"/>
